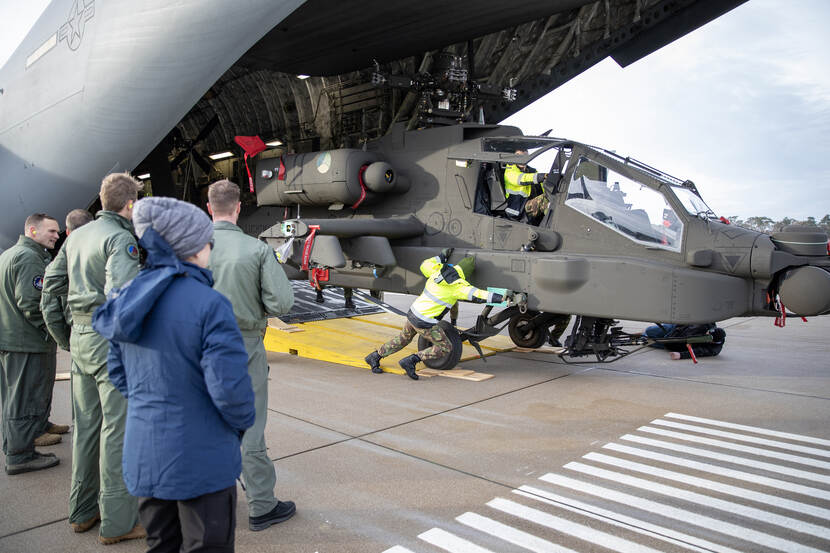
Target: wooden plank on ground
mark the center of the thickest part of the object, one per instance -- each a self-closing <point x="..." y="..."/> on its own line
<point x="279" y="324"/>
<point x="62" y="376"/>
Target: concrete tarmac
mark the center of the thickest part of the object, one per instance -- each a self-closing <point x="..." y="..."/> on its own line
<point x="644" y="454"/>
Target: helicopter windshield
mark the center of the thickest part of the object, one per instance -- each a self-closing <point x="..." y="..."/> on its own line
<point x="693" y="203"/>
<point x="631" y="208"/>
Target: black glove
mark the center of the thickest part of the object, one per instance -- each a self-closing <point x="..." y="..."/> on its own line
<point x="539" y="178"/>
<point x="497" y="298"/>
<point x="445" y="254"/>
<point x="450" y="274"/>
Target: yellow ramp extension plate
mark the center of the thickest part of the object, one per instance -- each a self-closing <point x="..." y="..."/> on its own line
<point x="347" y="341"/>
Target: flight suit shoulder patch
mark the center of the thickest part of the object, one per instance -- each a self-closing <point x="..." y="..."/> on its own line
<point x="132" y="251"/>
<point x="37" y="282"/>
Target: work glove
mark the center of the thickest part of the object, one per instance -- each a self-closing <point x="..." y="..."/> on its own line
<point x="445" y="254"/>
<point x="539" y="178"/>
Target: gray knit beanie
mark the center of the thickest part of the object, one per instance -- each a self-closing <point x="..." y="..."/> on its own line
<point x="184" y="226"/>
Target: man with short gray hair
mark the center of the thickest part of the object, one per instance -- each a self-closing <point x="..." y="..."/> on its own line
<point x="76" y="219"/>
<point x="96" y="258"/>
<point x="246" y="271"/>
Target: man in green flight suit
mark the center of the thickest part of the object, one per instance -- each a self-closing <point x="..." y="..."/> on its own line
<point x="96" y="258"/>
<point x="246" y="271"/>
<point x="27" y="353"/>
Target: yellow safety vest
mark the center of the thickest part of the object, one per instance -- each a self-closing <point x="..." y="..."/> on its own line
<point x="517" y="182"/>
<point x="439" y="295"/>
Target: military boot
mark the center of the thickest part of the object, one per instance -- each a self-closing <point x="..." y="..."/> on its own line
<point x="53" y="428"/>
<point x="408" y="364"/>
<point x="373" y="360"/>
<point x="47" y="439"/>
<point x="37" y="462"/>
<point x="320" y="298"/>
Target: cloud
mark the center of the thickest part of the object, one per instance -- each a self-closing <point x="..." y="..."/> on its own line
<point x="741" y="106"/>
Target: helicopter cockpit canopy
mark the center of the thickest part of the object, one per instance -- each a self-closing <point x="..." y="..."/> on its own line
<point x="625" y="204"/>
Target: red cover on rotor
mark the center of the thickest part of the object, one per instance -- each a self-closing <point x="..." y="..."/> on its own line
<point x="251" y="144"/>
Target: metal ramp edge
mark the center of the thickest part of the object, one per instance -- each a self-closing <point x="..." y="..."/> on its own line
<point x="346" y="341"/>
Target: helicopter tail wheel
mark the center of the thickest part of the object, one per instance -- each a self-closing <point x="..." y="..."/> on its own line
<point x="450" y="360"/>
<point x="524" y="334"/>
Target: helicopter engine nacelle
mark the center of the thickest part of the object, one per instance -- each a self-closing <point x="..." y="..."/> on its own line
<point x="343" y="177"/>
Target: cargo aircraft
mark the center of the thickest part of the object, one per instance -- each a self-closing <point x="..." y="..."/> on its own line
<point x="376" y="116"/>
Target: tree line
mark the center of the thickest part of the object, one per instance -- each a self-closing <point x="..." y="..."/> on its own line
<point x="767" y="225"/>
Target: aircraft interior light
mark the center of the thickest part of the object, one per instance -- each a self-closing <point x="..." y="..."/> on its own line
<point x="221" y="155"/>
<point x="145" y="176"/>
<point x="303" y="77"/>
<point x="274" y="143"/>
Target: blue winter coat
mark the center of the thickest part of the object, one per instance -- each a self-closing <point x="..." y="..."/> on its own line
<point x="178" y="357"/>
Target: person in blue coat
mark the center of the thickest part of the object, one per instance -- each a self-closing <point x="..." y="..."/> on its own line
<point x="177" y="355"/>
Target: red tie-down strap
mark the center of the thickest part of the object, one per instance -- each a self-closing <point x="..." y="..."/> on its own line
<point x="362" y="186"/>
<point x="252" y="145"/>
<point x="317" y="276"/>
<point x="691" y="352"/>
<point x="309" y="243"/>
<point x="281" y="172"/>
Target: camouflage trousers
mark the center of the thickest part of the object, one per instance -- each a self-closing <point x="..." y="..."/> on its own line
<point x="537" y="205"/>
<point x="441" y="345"/>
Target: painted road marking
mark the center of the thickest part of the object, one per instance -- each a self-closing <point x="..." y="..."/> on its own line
<point x="663" y="509"/>
<point x="738" y="447"/>
<point x="743" y="438"/>
<point x="690" y="520"/>
<point x="717" y="469"/>
<point x="705" y="500"/>
<point x="510" y="534"/>
<point x="633" y="524"/>
<point x="450" y="542"/>
<point x="740" y="461"/>
<point x="712" y="485"/>
<point x="567" y="527"/>
<point x="398" y="549"/>
<point x="755" y="429"/>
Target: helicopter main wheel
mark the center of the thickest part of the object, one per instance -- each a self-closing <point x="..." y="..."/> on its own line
<point x="523" y="335"/>
<point x="450" y="360"/>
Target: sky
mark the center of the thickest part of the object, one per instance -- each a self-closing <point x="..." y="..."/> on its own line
<point x="740" y="106"/>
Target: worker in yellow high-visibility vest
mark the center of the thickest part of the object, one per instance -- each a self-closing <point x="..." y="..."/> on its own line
<point x="446" y="284"/>
<point x="518" y="188"/>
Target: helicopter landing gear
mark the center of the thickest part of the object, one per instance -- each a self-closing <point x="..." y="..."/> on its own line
<point x="527" y="330"/>
<point x="592" y="336"/>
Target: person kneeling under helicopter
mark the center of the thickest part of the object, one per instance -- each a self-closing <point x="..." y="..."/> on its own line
<point x="446" y="284"/>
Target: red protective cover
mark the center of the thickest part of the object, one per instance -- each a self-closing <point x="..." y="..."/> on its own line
<point x="251" y="144"/>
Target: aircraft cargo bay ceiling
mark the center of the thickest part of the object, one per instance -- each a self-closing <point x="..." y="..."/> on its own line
<point x="334" y="73"/>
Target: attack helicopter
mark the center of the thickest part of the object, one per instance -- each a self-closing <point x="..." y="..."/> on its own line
<point x="620" y="239"/>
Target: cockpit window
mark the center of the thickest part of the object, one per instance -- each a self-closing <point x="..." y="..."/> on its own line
<point x="693" y="203"/>
<point x="511" y="144"/>
<point x="631" y="208"/>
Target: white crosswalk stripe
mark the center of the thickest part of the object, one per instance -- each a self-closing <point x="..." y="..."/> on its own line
<point x="754" y="429"/>
<point x="692" y="497"/>
<point x="567" y="527"/>
<point x="637" y="525"/>
<point x="740" y="461"/>
<point x="712" y="485"/>
<point x="450" y="542"/>
<point x="739" y="447"/>
<point x="705" y="500"/>
<point x="744" y="438"/>
<point x="717" y="469"/>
